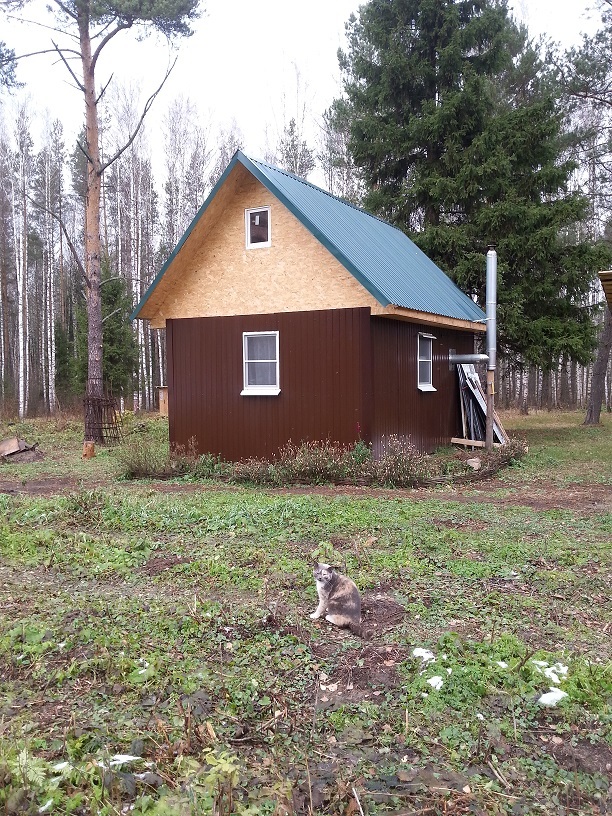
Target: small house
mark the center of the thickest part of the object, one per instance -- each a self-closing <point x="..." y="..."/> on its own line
<point x="293" y="315"/>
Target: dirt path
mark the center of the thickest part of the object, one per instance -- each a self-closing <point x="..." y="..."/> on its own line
<point x="585" y="498"/>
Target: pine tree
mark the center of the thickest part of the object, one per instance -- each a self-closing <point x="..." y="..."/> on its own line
<point x="8" y="78"/>
<point x="120" y="359"/>
<point x="456" y="131"/>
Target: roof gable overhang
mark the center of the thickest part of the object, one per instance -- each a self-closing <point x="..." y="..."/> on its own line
<point x="606" y="282"/>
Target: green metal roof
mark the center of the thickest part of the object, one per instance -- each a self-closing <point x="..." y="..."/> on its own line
<point x="384" y="260"/>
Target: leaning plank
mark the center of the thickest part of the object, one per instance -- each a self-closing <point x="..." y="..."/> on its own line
<point x="473" y="382"/>
<point x="473" y="443"/>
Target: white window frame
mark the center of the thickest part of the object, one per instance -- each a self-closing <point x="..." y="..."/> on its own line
<point x="421" y="358"/>
<point x="247" y="228"/>
<point x="259" y="390"/>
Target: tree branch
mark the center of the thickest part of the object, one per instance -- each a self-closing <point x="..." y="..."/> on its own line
<point x="84" y="152"/>
<point x="101" y="94"/>
<point x="72" y="247"/>
<point x="65" y="9"/>
<point x="120" y="27"/>
<point x="104" y="319"/>
<point x="147" y="106"/>
<point x="29" y="22"/>
<point x="79" y="84"/>
<point x="38" y="53"/>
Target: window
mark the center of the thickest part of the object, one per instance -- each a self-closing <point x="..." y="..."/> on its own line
<point x="425" y="362"/>
<point x="260" y="363"/>
<point x="257" y="224"/>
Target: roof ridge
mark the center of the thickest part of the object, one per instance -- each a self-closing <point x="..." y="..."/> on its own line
<point x="316" y="187"/>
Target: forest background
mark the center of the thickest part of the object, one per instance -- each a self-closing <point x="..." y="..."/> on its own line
<point x="450" y="122"/>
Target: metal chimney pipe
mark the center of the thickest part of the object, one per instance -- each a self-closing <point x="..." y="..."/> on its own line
<point x="491" y="296"/>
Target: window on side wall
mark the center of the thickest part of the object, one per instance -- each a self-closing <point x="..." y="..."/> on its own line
<point x="260" y="364"/>
<point x="258" y="228"/>
<point x="425" y="362"/>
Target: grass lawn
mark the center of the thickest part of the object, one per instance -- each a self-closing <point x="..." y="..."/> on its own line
<point x="156" y="653"/>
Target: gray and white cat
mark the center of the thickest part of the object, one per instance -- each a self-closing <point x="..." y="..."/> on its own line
<point x="338" y="597"/>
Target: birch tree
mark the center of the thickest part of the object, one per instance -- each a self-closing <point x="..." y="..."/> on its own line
<point x="187" y="152"/>
<point x="92" y="26"/>
<point x="20" y="189"/>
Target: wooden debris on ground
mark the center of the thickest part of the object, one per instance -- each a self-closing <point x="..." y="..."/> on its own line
<point x="14" y="449"/>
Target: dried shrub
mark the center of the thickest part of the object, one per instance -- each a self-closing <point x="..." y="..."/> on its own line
<point x="400" y="463"/>
<point x="307" y="463"/>
<point x="252" y="471"/>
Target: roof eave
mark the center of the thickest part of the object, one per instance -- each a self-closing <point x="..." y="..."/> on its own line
<point x="606" y="282"/>
<point x="430" y="319"/>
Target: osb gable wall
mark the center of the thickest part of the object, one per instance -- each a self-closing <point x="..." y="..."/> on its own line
<point x="215" y="275"/>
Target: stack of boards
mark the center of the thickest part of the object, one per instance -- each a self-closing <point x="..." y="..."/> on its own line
<point x="474" y="410"/>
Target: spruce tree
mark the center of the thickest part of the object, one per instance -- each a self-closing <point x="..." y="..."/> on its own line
<point x="456" y="131"/>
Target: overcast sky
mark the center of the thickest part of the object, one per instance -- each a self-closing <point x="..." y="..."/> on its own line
<point x="246" y="62"/>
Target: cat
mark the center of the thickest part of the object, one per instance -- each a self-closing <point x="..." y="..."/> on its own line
<point x="338" y="597"/>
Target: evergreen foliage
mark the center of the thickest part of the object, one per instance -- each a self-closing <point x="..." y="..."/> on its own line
<point x="7" y="67"/>
<point x="65" y="379"/>
<point x="457" y="133"/>
<point x="120" y="353"/>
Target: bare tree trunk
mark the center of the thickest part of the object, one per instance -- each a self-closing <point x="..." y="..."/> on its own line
<point x="19" y="252"/>
<point x="93" y="295"/>
<point x="598" y="378"/>
<point x="532" y="387"/>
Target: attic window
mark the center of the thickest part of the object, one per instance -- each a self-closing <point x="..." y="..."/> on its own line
<point x="260" y="363"/>
<point x="257" y="224"/>
<point x="425" y="362"/>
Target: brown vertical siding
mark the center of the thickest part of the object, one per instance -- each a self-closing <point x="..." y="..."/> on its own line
<point x="430" y="419"/>
<point x="324" y="378"/>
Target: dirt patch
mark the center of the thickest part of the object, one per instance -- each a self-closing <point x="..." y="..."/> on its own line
<point x="582" y="498"/>
<point x="41" y="487"/>
<point x="366" y="672"/>
<point x="161" y="563"/>
<point x="585" y="757"/>
<point x="379" y="614"/>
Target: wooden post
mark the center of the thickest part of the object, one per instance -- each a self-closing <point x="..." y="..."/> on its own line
<point x="89" y="449"/>
<point x="162" y="390"/>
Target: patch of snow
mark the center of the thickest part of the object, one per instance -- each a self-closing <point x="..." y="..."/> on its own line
<point x="425" y="654"/>
<point x="541" y="664"/>
<point x="556" y="673"/>
<point x="46" y="807"/>
<point x="122" y="759"/>
<point x="502" y="664"/>
<point x="436" y="682"/>
<point x="552" y="697"/>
